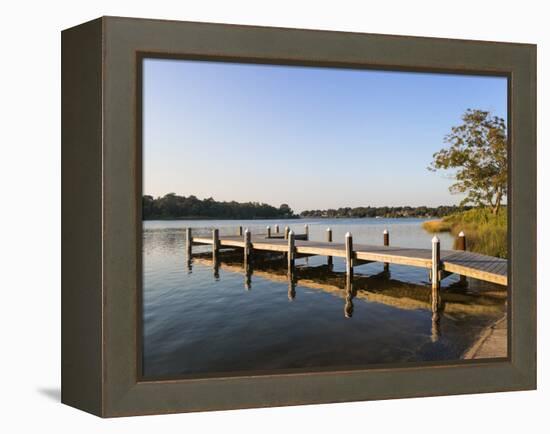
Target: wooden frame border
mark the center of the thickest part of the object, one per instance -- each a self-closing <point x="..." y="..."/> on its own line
<point x="101" y="223"/>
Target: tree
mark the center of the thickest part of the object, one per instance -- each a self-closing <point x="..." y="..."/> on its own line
<point x="478" y="152"/>
<point x="285" y="210"/>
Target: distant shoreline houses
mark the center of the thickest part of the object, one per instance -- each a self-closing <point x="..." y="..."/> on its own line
<point x="174" y="207"/>
<point x="386" y="212"/>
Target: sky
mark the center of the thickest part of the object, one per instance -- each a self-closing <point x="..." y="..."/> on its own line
<point x="314" y="138"/>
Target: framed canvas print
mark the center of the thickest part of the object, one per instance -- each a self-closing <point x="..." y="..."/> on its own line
<point x="260" y="216"/>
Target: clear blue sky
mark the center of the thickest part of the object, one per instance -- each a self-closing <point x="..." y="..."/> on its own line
<point x="314" y="138"/>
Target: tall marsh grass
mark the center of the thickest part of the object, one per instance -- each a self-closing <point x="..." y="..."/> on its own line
<point x="485" y="233"/>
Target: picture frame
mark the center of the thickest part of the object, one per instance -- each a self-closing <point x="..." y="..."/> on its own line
<point x="101" y="214"/>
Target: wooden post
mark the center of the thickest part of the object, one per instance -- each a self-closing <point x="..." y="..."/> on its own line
<point x="215" y="245"/>
<point x="329" y="240"/>
<point x="461" y="241"/>
<point x="276" y="229"/>
<point x="306" y="228"/>
<point x="287" y="229"/>
<point x="386" y="243"/>
<point x="247" y="250"/>
<point x="240" y="230"/>
<point x="461" y="245"/>
<point x="436" y="264"/>
<point x="291" y="252"/>
<point x="189" y="238"/>
<point x="268" y="232"/>
<point x="349" y="255"/>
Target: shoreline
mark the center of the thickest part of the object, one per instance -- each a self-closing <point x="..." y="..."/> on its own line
<point x="279" y="218"/>
<point x="491" y="343"/>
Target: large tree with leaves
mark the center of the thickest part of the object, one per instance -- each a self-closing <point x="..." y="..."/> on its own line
<point x="477" y="153"/>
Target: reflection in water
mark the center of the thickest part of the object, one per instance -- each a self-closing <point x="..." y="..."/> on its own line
<point x="216" y="266"/>
<point x="350" y="293"/>
<point x="379" y="287"/>
<point x="248" y="276"/>
<point x="193" y="325"/>
<point x="291" y="284"/>
<point x="436" y="329"/>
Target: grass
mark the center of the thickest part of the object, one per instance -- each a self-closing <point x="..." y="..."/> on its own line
<point x="485" y="233"/>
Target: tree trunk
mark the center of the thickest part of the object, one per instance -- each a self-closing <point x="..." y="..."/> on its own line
<point x="496" y="206"/>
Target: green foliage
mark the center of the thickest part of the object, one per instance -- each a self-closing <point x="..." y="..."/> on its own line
<point x="384" y="211"/>
<point x="436" y="226"/>
<point x="172" y="206"/>
<point x="486" y="233"/>
<point x="478" y="153"/>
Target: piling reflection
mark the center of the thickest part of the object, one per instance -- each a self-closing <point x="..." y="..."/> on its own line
<point x="248" y="276"/>
<point x="436" y="329"/>
<point x="379" y="288"/>
<point x="349" y="295"/>
<point x="291" y="284"/>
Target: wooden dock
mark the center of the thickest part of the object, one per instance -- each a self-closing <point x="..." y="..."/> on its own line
<point x="440" y="263"/>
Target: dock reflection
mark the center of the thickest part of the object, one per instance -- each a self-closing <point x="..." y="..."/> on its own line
<point x="380" y="288"/>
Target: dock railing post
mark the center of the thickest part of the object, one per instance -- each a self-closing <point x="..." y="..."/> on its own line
<point x="247" y="250"/>
<point x="436" y="266"/>
<point x="268" y="232"/>
<point x="215" y="246"/>
<point x="306" y="228"/>
<point x="386" y="244"/>
<point x="240" y="231"/>
<point x="291" y="251"/>
<point x="189" y="238"/>
<point x="276" y="229"/>
<point x="349" y="255"/>
<point x="461" y="245"/>
<point x="287" y="229"/>
<point x="329" y="240"/>
<point x="291" y="254"/>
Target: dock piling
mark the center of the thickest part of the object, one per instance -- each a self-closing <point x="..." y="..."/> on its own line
<point x="215" y="245"/>
<point x="386" y="243"/>
<point x="461" y="245"/>
<point x="306" y="229"/>
<point x="240" y="231"/>
<point x="461" y="241"/>
<point x="291" y="251"/>
<point x="329" y="240"/>
<point x="436" y="268"/>
<point x="247" y="250"/>
<point x="462" y="263"/>
<point x="189" y="238"/>
<point x="276" y="229"/>
<point x="268" y="232"/>
<point x="287" y="229"/>
<point x="349" y="255"/>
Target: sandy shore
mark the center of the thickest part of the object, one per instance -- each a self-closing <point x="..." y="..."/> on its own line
<point x="492" y="343"/>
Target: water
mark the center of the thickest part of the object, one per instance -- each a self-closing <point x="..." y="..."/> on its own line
<point x="200" y="319"/>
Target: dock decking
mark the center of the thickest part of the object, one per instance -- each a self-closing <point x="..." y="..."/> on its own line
<point x="460" y="262"/>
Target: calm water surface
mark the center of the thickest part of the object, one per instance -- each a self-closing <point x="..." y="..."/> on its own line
<point x="198" y="319"/>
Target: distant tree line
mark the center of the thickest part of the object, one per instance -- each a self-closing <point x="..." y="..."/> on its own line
<point x="172" y="206"/>
<point x="385" y="211"/>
